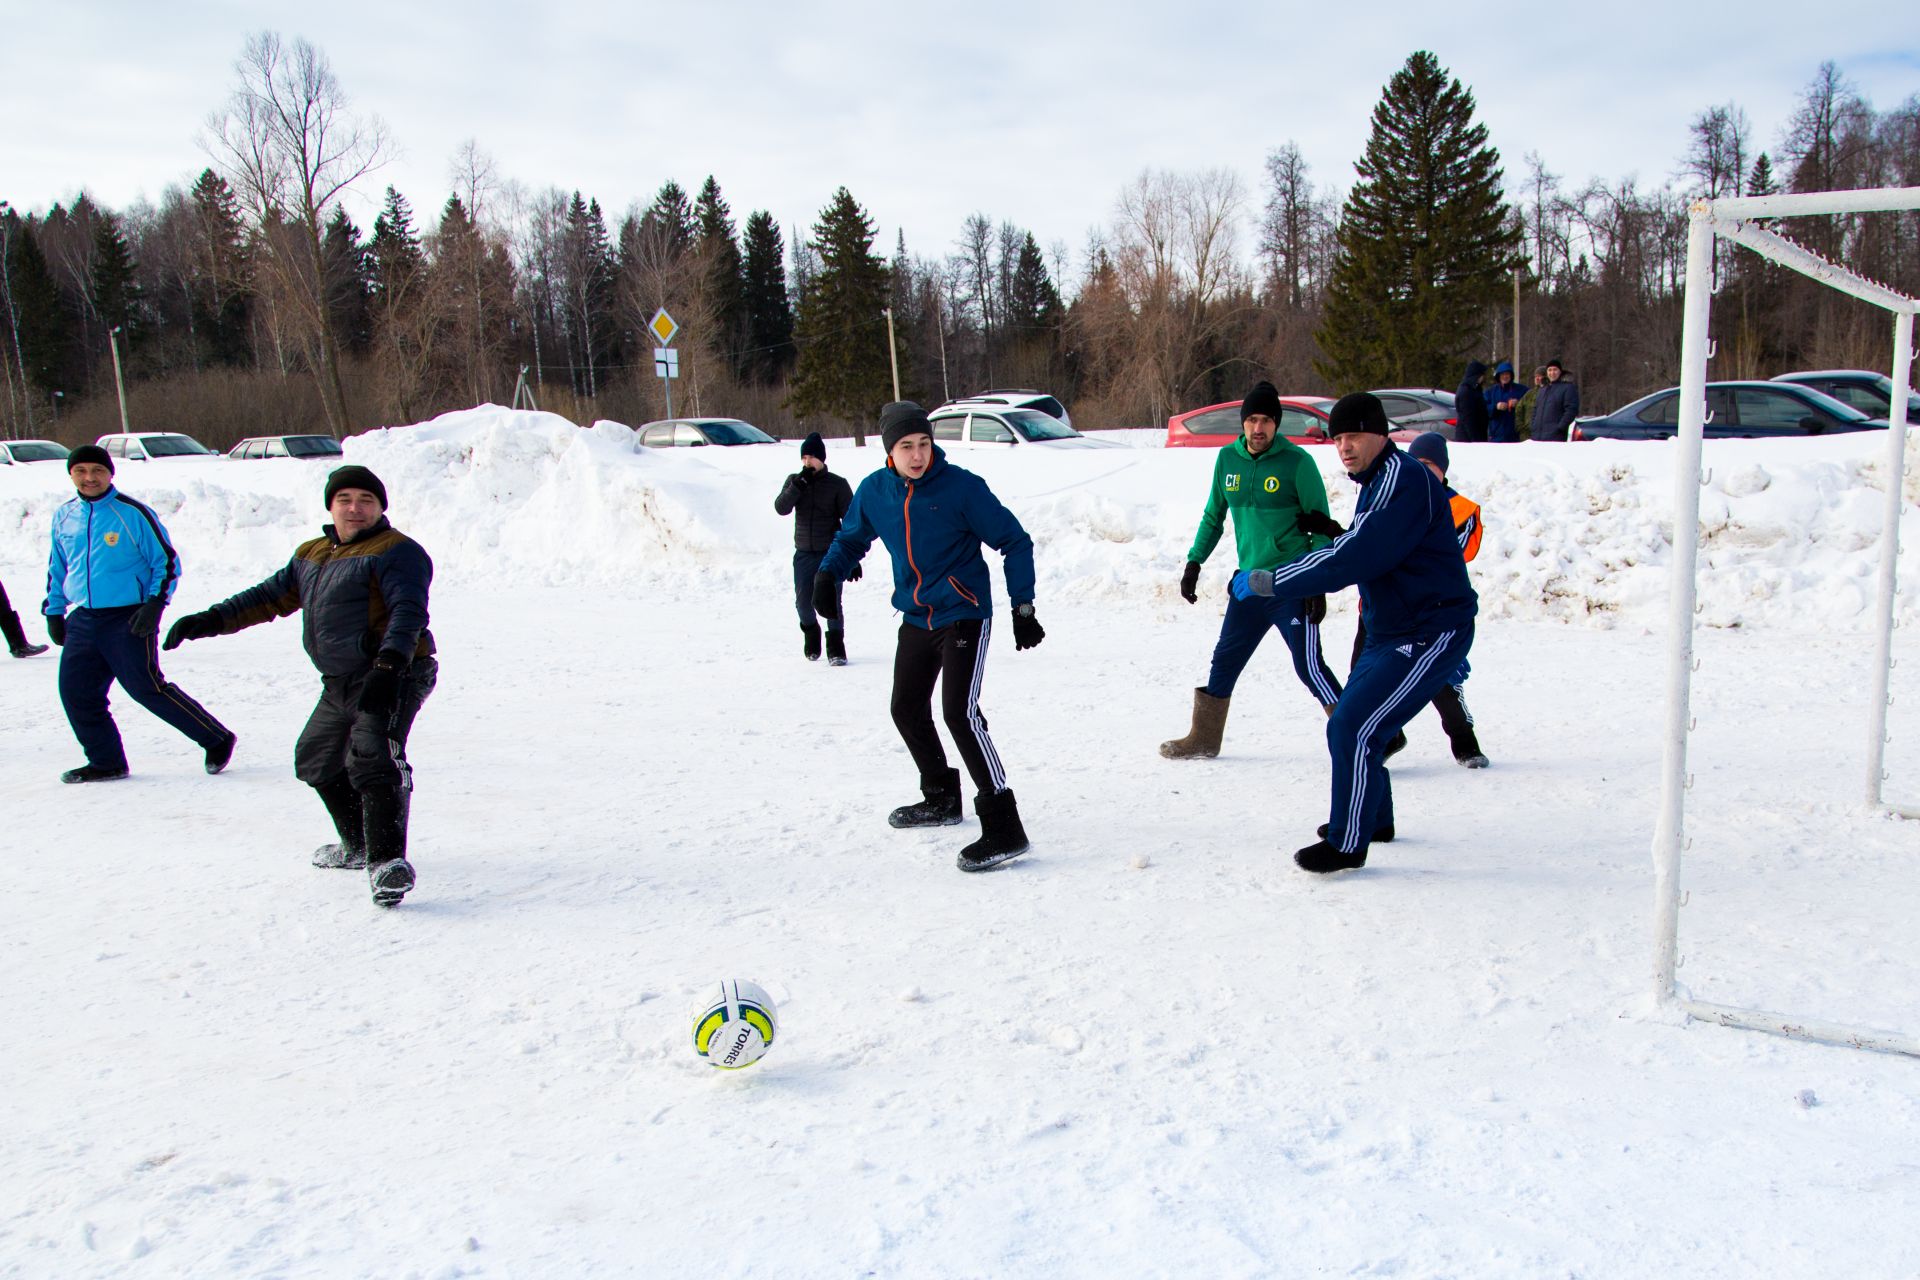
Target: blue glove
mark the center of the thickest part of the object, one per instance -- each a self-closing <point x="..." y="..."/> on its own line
<point x="1248" y="583"/>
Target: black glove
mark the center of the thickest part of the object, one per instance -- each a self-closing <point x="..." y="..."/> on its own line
<point x="1316" y="609"/>
<point x="1027" y="631"/>
<point x="824" y="602"/>
<point x="57" y="628"/>
<point x="1319" y="522"/>
<point x="381" y="693"/>
<point x="195" y="626"/>
<point x="856" y="574"/>
<point x="802" y="477"/>
<point x="146" y="619"/>
<point x="1190" y="582"/>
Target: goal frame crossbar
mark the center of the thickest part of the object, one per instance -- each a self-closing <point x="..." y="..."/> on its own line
<point x="1740" y="220"/>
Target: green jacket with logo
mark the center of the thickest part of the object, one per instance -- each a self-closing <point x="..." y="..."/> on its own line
<point x="1266" y="496"/>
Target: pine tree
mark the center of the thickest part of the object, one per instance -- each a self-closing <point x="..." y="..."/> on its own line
<point x="45" y="332"/>
<point x="769" y="350"/>
<point x="343" y="263"/>
<point x="1761" y="182"/>
<point x="587" y="272"/>
<point x="668" y="221"/>
<point x="1033" y="306"/>
<point x="1425" y="241"/>
<point x="116" y="291"/>
<point x="843" y="369"/>
<point x="723" y="274"/>
<point x="224" y="289"/>
<point x="397" y="282"/>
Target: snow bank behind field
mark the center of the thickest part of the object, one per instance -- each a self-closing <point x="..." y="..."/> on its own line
<point x="1576" y="532"/>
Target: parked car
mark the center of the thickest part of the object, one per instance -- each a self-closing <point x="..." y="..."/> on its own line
<point x="287" y="447"/>
<point x="1017" y="398"/>
<point x="12" y="451"/>
<point x="1303" y="420"/>
<point x="1734" y="409"/>
<point x="671" y="433"/>
<point x="1419" y="410"/>
<point x="1869" y="392"/>
<point x="154" y="446"/>
<point x="977" y="424"/>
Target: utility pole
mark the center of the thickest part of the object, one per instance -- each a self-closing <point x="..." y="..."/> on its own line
<point x="893" y="351"/>
<point x="119" y="383"/>
<point x="1516" y="324"/>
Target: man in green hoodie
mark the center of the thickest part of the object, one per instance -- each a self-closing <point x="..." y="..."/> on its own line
<point x="1266" y="482"/>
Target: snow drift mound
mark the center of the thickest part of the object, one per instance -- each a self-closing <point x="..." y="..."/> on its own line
<point x="1576" y="532"/>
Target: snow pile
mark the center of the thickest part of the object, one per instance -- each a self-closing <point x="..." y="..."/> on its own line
<point x="1581" y="532"/>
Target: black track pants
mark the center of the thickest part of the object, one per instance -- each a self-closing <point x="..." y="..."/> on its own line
<point x="956" y="656"/>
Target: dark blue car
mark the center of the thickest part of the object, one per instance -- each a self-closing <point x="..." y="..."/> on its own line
<point x="1734" y="410"/>
<point x="1869" y="392"/>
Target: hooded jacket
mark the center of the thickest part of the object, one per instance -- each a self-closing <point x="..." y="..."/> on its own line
<point x="1470" y="405"/>
<point x="356" y="599"/>
<point x="108" y="553"/>
<point x="1266" y="494"/>
<point x="1402" y="550"/>
<point x="817" y="505"/>
<point x="1556" y="408"/>
<point x="1500" y="427"/>
<point x="934" y="527"/>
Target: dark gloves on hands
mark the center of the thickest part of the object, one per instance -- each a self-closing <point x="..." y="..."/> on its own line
<point x="146" y="619"/>
<point x="195" y="626"/>
<point x="855" y="575"/>
<point x="1190" y="582"/>
<point x="1316" y="609"/>
<point x="1319" y="522"/>
<point x="1027" y="631"/>
<point x="57" y="628"/>
<point x="802" y="477"/>
<point x="381" y="693"/>
<point x="824" y="602"/>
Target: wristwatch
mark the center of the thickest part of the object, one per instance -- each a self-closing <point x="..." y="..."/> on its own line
<point x="1023" y="610"/>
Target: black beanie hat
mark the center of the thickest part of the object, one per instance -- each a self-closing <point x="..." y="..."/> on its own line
<point x="814" y="447"/>
<point x="900" y="419"/>
<point x="1431" y="447"/>
<point x="1263" y="399"/>
<point x="1361" y="411"/>
<point x="356" y="477"/>
<point x="90" y="453"/>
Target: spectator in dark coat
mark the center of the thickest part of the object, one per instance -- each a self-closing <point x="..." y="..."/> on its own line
<point x="1559" y="404"/>
<point x="1503" y="397"/>
<point x="16" y="636"/>
<point x="817" y="500"/>
<point x="1470" y="405"/>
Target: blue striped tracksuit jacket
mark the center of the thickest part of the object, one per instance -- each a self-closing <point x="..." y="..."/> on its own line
<point x="1403" y="553"/>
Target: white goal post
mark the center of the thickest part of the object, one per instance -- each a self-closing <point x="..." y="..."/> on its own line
<point x="1738" y="220"/>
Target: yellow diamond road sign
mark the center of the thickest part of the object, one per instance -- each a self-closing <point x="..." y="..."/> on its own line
<point x="663" y="326"/>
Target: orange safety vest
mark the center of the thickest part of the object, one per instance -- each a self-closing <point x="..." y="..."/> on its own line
<point x="1466" y="525"/>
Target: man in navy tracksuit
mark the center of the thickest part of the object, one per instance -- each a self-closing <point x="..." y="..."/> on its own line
<point x="933" y="518"/>
<point x="1403" y="553"/>
<point x="111" y="573"/>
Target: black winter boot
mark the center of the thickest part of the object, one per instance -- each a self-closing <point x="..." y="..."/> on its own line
<point x="811" y="644"/>
<point x="221" y="752"/>
<point x="87" y="773"/>
<point x="1001" y="835"/>
<point x="383" y="815"/>
<point x="836" y="648"/>
<point x="1322" y="857"/>
<point x="16" y="636"/>
<point x="940" y="808"/>
<point x="343" y="806"/>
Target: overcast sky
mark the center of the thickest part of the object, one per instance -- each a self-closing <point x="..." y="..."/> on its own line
<point x="1033" y="113"/>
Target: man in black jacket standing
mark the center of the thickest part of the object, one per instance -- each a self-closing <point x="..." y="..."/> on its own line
<point x="1470" y="405"/>
<point x="817" y="500"/>
<point x="1558" y="406"/>
<point x="361" y="591"/>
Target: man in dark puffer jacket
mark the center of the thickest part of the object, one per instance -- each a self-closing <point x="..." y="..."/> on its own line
<point x="817" y="500"/>
<point x="361" y="588"/>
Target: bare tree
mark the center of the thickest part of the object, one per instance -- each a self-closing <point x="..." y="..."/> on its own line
<point x="291" y="146"/>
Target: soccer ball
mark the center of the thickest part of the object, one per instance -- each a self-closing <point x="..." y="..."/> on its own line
<point x="733" y="1024"/>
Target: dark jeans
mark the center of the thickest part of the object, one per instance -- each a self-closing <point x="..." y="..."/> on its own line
<point x="342" y="739"/>
<point x="956" y="656"/>
<point x="100" y="650"/>
<point x="1246" y="625"/>
<point x="1385" y="689"/>
<point x="805" y="565"/>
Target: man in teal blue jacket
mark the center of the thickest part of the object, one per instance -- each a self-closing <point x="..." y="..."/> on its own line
<point x="111" y="572"/>
<point x="934" y="518"/>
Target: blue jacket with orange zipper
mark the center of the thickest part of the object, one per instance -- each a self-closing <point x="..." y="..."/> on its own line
<point x="934" y="528"/>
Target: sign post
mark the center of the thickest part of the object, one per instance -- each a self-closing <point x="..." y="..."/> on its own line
<point x="666" y="360"/>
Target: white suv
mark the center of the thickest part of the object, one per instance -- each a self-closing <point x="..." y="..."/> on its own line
<point x="1008" y="418"/>
<point x="153" y="446"/>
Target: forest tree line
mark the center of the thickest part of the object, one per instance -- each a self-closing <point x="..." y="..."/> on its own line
<point x="247" y="301"/>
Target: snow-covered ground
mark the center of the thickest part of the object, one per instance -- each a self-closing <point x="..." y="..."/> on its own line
<point x="1150" y="1047"/>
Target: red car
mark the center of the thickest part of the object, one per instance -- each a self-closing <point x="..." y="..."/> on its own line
<point x="1303" y="420"/>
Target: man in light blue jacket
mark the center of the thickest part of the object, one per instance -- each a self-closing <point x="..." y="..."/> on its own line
<point x="110" y="575"/>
